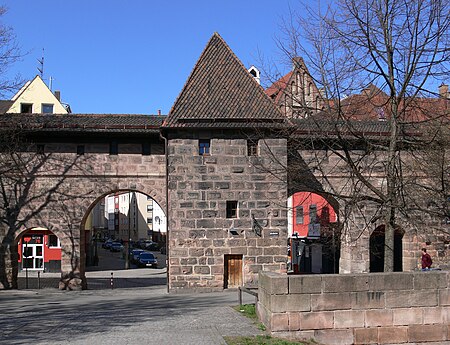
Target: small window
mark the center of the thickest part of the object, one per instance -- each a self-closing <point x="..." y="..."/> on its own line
<point x="146" y="149"/>
<point x="80" y="150"/>
<point x="47" y="108"/>
<point x="204" y="146"/>
<point x="40" y="148"/>
<point x="157" y="149"/>
<point x="252" y="147"/>
<point x="299" y="215"/>
<point x="149" y="208"/>
<point x="26" y="108"/>
<point x="113" y="148"/>
<point x="53" y="241"/>
<point x="313" y="214"/>
<point x="232" y="209"/>
<point x="149" y="220"/>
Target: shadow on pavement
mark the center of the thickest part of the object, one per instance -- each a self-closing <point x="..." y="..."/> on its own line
<point x="94" y="283"/>
<point x="81" y="317"/>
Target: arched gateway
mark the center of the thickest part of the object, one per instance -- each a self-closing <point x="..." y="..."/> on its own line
<point x="217" y="164"/>
<point x="72" y="162"/>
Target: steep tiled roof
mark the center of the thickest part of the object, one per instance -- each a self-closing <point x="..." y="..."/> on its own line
<point x="373" y="104"/>
<point x="4" y="106"/>
<point x="220" y="93"/>
<point x="83" y="122"/>
<point x="275" y="91"/>
<point x="350" y="130"/>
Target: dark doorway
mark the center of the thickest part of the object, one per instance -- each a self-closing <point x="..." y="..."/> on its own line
<point x="233" y="271"/>
<point x="377" y="250"/>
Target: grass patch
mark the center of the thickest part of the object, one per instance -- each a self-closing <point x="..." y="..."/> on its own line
<point x="248" y="310"/>
<point x="261" y="340"/>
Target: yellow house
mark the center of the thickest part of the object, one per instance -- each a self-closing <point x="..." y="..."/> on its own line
<point x="35" y="97"/>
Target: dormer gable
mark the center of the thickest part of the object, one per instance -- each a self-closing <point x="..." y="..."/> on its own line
<point x="35" y="97"/>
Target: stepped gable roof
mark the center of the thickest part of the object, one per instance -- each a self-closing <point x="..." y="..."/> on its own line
<point x="221" y="93"/>
<point x="275" y="91"/>
<point x="81" y="123"/>
<point x="5" y="105"/>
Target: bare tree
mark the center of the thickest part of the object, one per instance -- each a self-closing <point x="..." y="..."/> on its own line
<point x="26" y="194"/>
<point x="396" y="51"/>
<point x="9" y="54"/>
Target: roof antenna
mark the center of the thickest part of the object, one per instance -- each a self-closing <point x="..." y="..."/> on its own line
<point x="41" y="64"/>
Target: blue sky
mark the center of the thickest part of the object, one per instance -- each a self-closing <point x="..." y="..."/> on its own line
<point x="133" y="57"/>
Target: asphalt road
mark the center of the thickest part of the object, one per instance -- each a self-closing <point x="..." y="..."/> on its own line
<point x="99" y="277"/>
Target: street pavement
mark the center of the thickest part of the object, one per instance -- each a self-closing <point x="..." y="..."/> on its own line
<point x="138" y="310"/>
<point x="124" y="316"/>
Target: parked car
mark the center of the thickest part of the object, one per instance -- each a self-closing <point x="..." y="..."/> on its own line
<point x="107" y="244"/>
<point x="116" y="247"/>
<point x="163" y="249"/>
<point x="146" y="244"/>
<point x="147" y="259"/>
<point x="152" y="247"/>
<point x="134" y="255"/>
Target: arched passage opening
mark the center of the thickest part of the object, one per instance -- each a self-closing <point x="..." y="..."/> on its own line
<point x="123" y="230"/>
<point x="377" y="239"/>
<point x="314" y="235"/>
<point x="38" y="256"/>
<point x="39" y="249"/>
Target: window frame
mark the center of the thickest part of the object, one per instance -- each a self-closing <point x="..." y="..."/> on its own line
<point x="313" y="214"/>
<point x="114" y="148"/>
<point x="81" y="150"/>
<point x="30" y="105"/>
<point x="47" y="105"/>
<point x="40" y="149"/>
<point x="299" y="215"/>
<point x="252" y="148"/>
<point x="232" y="207"/>
<point x="58" y="242"/>
<point x="204" y="147"/>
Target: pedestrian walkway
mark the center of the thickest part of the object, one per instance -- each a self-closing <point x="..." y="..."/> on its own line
<point x="123" y="316"/>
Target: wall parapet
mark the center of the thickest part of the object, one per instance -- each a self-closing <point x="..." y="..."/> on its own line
<point x="372" y="308"/>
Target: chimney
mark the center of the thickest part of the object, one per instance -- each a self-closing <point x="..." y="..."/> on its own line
<point x="58" y="95"/>
<point x="159" y="111"/>
<point x="443" y="91"/>
<point x="254" y="72"/>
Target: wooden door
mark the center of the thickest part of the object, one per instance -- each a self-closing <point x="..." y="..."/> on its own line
<point x="233" y="271"/>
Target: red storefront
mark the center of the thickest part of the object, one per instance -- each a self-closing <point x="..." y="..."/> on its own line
<point x="313" y="241"/>
<point x="40" y="250"/>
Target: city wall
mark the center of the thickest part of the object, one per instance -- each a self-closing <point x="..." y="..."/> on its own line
<point x="376" y="308"/>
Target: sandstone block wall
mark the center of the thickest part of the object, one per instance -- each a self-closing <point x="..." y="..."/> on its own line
<point x="200" y="234"/>
<point x="376" y="308"/>
<point x="65" y="188"/>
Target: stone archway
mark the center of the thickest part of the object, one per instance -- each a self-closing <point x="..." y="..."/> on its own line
<point x="313" y="221"/>
<point x="376" y="246"/>
<point x="124" y="233"/>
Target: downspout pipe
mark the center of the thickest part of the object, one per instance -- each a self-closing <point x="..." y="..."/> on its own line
<point x="166" y="152"/>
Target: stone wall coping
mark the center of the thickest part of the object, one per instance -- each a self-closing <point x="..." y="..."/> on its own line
<point x="278" y="283"/>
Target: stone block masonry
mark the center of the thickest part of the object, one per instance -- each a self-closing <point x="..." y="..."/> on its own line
<point x="376" y="308"/>
<point x="203" y="233"/>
